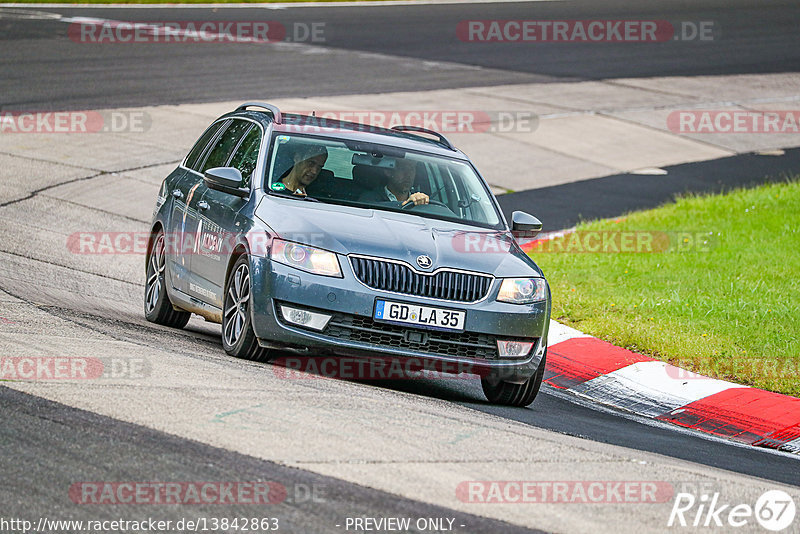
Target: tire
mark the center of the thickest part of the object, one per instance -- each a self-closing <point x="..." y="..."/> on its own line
<point x="157" y="306"/>
<point x="238" y="338"/>
<point x="509" y="394"/>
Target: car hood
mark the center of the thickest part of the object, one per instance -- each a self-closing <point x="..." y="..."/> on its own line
<point x="399" y="236"/>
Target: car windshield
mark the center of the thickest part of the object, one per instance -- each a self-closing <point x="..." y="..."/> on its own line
<point x="372" y="176"/>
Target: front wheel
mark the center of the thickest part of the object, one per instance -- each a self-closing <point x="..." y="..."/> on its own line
<point x="157" y="306"/>
<point x="510" y="394"/>
<point x="238" y="338"/>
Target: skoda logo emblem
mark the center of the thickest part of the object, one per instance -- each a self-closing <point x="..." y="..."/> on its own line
<point x="424" y="261"/>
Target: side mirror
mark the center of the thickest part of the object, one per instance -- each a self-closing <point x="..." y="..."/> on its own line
<point x="226" y="179"/>
<point x="525" y="222"/>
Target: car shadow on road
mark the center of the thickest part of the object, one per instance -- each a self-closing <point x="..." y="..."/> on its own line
<point x="383" y="373"/>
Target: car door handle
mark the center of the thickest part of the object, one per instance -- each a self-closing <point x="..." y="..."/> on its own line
<point x="177" y="193"/>
<point x="203" y="205"/>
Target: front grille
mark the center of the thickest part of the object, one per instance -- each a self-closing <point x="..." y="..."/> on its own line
<point x="455" y="344"/>
<point x="400" y="278"/>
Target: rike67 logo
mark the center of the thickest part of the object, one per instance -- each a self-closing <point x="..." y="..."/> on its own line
<point x="774" y="510"/>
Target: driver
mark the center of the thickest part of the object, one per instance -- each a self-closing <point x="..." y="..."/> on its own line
<point x="398" y="189"/>
<point x="308" y="161"/>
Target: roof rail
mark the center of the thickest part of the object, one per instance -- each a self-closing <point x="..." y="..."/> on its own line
<point x="441" y="138"/>
<point x="277" y="116"/>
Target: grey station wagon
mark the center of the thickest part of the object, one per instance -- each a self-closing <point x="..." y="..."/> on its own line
<point x="335" y="239"/>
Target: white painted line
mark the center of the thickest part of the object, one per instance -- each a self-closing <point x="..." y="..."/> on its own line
<point x="791" y="446"/>
<point x="161" y="30"/>
<point x="651" y="388"/>
<point x="167" y="33"/>
<point x="545" y="236"/>
<point x="650" y="171"/>
<point x="276" y="5"/>
<point x="559" y="332"/>
<point x="27" y="14"/>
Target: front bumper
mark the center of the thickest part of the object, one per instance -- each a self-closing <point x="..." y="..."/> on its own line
<point x="352" y="330"/>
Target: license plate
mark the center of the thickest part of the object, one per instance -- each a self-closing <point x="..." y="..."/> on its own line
<point x="424" y="316"/>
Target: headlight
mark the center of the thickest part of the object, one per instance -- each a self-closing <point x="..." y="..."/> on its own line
<point x="313" y="260"/>
<point x="522" y="290"/>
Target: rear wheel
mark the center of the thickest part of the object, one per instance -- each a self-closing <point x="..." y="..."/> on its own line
<point x="238" y="338"/>
<point x="510" y="394"/>
<point x="157" y="306"/>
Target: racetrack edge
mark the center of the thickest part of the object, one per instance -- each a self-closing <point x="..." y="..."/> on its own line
<point x="611" y="375"/>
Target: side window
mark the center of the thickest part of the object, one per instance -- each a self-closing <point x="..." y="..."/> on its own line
<point x="225" y="144"/>
<point x="200" y="145"/>
<point x="246" y="155"/>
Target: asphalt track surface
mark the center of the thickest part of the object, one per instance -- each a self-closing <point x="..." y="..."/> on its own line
<point x="373" y="50"/>
<point x="42" y="442"/>
<point x="80" y="443"/>
<point x="565" y="205"/>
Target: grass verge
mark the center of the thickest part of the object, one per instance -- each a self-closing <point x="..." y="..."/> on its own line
<point x="721" y="299"/>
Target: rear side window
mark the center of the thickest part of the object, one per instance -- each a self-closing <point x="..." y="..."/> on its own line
<point x="226" y="143"/>
<point x="246" y="155"/>
<point x="200" y="145"/>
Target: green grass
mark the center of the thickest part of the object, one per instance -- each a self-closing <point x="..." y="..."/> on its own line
<point x="729" y="308"/>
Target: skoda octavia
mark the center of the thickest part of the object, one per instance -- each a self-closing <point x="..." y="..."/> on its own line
<point x="302" y="234"/>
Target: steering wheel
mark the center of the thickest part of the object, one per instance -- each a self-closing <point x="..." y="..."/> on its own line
<point x="411" y="204"/>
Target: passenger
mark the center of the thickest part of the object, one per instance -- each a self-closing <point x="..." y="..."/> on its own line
<point x="398" y="189"/>
<point x="308" y="161"/>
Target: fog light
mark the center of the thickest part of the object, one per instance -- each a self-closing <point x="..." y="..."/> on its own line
<point x="308" y="319"/>
<point x="513" y="349"/>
